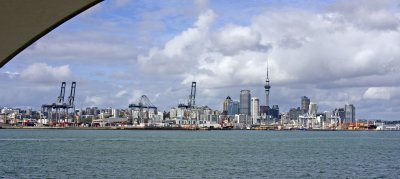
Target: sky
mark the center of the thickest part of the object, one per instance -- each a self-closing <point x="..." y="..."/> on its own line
<point x="334" y="52"/>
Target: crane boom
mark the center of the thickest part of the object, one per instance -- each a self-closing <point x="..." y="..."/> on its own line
<point x="192" y="97"/>
<point x="71" y="97"/>
<point x="60" y="98"/>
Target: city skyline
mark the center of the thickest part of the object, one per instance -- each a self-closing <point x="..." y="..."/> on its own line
<point x="117" y="51"/>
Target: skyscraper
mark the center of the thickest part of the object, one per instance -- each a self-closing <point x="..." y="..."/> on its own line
<point x="341" y="113"/>
<point x="263" y="111"/>
<point x="274" y="112"/>
<point x="294" y="113"/>
<point x="312" y="110"/>
<point x="233" y="108"/>
<point x="255" y="109"/>
<point x="244" y="107"/>
<point x="305" y="104"/>
<point x="350" y="113"/>
<point x="227" y="101"/>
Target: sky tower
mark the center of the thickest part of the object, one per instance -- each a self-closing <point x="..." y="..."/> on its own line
<point x="267" y="87"/>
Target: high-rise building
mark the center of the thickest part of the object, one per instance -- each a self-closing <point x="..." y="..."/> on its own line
<point x="115" y="113"/>
<point x="341" y="113"/>
<point x="274" y="112"/>
<point x="227" y="101"/>
<point x="255" y="109"/>
<point x="294" y="113"/>
<point x="29" y="111"/>
<point x="233" y="108"/>
<point x="264" y="110"/>
<point x="244" y="107"/>
<point x="305" y="104"/>
<point x="312" y="110"/>
<point x="350" y="113"/>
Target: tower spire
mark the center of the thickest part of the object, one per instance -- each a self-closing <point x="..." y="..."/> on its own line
<point x="267" y="87"/>
<point x="267" y="69"/>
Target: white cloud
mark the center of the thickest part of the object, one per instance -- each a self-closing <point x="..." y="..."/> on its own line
<point x="11" y="74"/>
<point x="81" y="47"/>
<point x="385" y="93"/>
<point x="231" y="39"/>
<point x="94" y="101"/>
<point x="369" y="14"/>
<point x="135" y="95"/>
<point x="177" y="54"/>
<point x="41" y="72"/>
<point x="201" y="4"/>
<point x="311" y="51"/>
<point x="121" y="93"/>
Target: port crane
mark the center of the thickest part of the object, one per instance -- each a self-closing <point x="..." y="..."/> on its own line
<point x="192" y="98"/>
<point x="142" y="106"/>
<point x="60" y="104"/>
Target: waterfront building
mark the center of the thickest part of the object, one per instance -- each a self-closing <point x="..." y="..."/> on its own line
<point x="330" y="119"/>
<point x="320" y="121"/>
<point x="312" y="110"/>
<point x="109" y="110"/>
<point x="305" y="104"/>
<point x="88" y="111"/>
<point x="255" y="109"/>
<point x="244" y="107"/>
<point x="29" y="112"/>
<point x="284" y="118"/>
<point x="264" y="110"/>
<point x="242" y="119"/>
<point x="274" y="112"/>
<point x="233" y="108"/>
<point x="294" y="114"/>
<point x="350" y="115"/>
<point x="115" y="113"/>
<point x="339" y="113"/>
<point x="227" y="102"/>
<point x="173" y="113"/>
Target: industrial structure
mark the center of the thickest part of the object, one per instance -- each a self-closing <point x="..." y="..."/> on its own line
<point x="61" y="107"/>
<point x="142" y="110"/>
<point x="192" y="98"/>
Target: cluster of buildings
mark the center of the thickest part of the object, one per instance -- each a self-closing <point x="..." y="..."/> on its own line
<point x="245" y="113"/>
<point x="251" y="115"/>
<point x="307" y="116"/>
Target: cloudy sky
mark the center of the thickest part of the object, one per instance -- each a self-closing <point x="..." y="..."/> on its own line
<point x="334" y="52"/>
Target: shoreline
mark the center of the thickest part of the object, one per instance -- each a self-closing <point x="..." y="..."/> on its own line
<point x="170" y="128"/>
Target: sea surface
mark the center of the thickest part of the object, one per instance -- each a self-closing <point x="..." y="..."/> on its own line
<point x="198" y="154"/>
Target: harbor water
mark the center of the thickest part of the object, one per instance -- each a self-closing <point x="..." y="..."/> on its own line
<point x="39" y="153"/>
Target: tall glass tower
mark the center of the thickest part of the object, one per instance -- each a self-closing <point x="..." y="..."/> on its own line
<point x="305" y="104"/>
<point x="244" y="107"/>
<point x="350" y="113"/>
